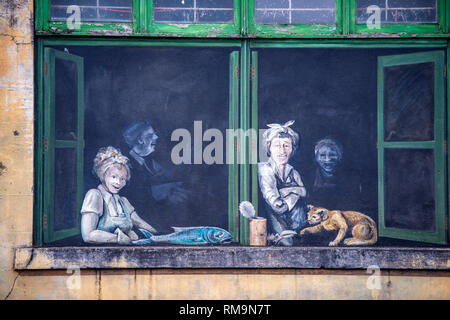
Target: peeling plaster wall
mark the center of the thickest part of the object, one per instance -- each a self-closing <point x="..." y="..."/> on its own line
<point x="16" y="211"/>
<point x="16" y="134"/>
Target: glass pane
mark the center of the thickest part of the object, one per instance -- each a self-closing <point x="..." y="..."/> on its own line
<point x="194" y="11"/>
<point x="295" y="11"/>
<point x="397" y="11"/>
<point x="65" y="214"/>
<point x="409" y="189"/>
<point x="409" y="102"/>
<point x="91" y="10"/>
<point x="66" y="86"/>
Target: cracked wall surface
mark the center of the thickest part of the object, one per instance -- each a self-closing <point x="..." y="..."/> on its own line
<point x="16" y="213"/>
<point x="16" y="135"/>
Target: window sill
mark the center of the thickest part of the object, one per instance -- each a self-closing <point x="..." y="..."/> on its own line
<point x="231" y="257"/>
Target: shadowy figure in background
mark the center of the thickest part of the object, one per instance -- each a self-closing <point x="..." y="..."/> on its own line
<point x="152" y="182"/>
<point x="327" y="154"/>
<point x="280" y="184"/>
<point x="332" y="186"/>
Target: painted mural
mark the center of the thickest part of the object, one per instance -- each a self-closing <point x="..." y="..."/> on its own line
<point x="106" y="216"/>
<point x="153" y="180"/>
<point x="281" y="185"/>
<point x="109" y="218"/>
<point x="156" y="166"/>
<point x="285" y="194"/>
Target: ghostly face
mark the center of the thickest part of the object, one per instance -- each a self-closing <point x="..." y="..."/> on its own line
<point x="327" y="158"/>
<point x="281" y="150"/>
<point x="115" y="179"/>
<point x="146" y="142"/>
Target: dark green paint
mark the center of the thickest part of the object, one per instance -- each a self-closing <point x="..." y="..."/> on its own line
<point x="246" y="178"/>
<point x="402" y="30"/>
<point x="208" y="30"/>
<point x="437" y="57"/>
<point x="233" y="169"/>
<point x="349" y="43"/>
<point x="293" y="30"/>
<point x="144" y="42"/>
<point x="447" y="173"/>
<point x="254" y="125"/>
<point x="50" y="234"/>
<point x="38" y="155"/>
<point x="244" y="167"/>
<point x="244" y="25"/>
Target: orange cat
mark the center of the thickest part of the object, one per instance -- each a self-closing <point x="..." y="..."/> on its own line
<point x="363" y="228"/>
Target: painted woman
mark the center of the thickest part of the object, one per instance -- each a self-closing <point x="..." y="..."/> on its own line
<point x="281" y="185"/>
<point x="106" y="217"/>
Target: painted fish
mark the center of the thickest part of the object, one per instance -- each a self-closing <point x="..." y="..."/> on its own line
<point x="188" y="236"/>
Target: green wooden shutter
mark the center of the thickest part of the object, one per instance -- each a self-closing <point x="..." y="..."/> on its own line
<point x="411" y="147"/>
<point x="254" y="125"/>
<point x="63" y="144"/>
<point x="244" y="121"/>
<point x="233" y="169"/>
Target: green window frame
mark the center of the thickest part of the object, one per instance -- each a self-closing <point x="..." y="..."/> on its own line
<point x="44" y="24"/>
<point x="243" y="113"/>
<point x="446" y="147"/>
<point x="442" y="233"/>
<point x="243" y="26"/>
<point x="44" y="231"/>
<point x="295" y="30"/>
<point x="404" y="30"/>
<point x="50" y="144"/>
<point x="233" y="169"/>
<point x="142" y="24"/>
<point x="217" y="30"/>
<point x="437" y="145"/>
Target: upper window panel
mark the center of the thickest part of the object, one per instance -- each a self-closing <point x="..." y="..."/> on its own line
<point x="397" y="11"/>
<point x="193" y="11"/>
<point x="295" y="12"/>
<point x="91" y="10"/>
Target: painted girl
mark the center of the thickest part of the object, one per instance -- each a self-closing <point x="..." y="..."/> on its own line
<point x="106" y="216"/>
<point x="281" y="185"/>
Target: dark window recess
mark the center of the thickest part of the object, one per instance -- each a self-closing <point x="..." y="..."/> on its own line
<point x="194" y="11"/>
<point x="409" y="189"/>
<point x="345" y="110"/>
<point x="65" y="187"/>
<point x="66" y="99"/>
<point x="295" y="12"/>
<point x="170" y="87"/>
<point x="92" y="10"/>
<point x="398" y="11"/>
<point x="409" y="102"/>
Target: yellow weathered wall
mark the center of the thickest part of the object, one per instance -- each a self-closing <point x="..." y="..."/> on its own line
<point x="16" y="211"/>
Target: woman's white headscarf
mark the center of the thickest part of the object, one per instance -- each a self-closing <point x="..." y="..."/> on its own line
<point x="277" y="130"/>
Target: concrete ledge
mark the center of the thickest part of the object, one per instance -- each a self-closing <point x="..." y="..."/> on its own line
<point x="231" y="257"/>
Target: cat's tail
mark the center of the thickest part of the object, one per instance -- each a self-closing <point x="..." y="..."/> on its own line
<point x="373" y="231"/>
<point x="373" y="234"/>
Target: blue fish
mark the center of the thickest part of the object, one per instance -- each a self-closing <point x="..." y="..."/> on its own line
<point x="188" y="236"/>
